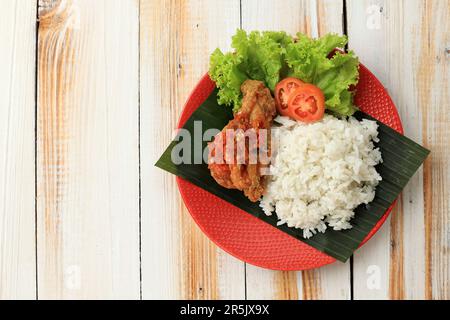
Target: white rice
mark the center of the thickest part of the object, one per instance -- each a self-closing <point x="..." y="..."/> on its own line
<point x="321" y="172"/>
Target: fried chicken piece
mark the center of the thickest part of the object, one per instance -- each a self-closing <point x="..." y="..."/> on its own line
<point x="219" y="171"/>
<point x="234" y="170"/>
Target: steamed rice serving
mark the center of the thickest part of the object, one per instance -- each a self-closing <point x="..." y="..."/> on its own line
<point x="321" y="172"/>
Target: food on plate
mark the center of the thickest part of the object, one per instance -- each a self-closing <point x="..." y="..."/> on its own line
<point x="273" y="56"/>
<point x="316" y="61"/>
<point x="321" y="172"/>
<point x="322" y="166"/>
<point x="257" y="112"/>
<point x="306" y="104"/>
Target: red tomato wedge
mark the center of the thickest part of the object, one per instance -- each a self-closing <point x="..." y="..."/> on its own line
<point x="306" y="104"/>
<point x="283" y="90"/>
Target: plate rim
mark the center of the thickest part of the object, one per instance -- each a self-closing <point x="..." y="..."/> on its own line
<point x="183" y="118"/>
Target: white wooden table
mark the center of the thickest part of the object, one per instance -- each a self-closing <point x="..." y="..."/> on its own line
<point x="89" y="98"/>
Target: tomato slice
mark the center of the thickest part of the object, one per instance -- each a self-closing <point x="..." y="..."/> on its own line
<point x="283" y="90"/>
<point x="307" y="104"/>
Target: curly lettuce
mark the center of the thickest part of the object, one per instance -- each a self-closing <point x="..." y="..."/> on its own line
<point x="308" y="60"/>
<point x="258" y="56"/>
<point x="261" y="55"/>
<point x="271" y="56"/>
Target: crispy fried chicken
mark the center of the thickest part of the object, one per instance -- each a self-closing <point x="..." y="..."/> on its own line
<point x="230" y="159"/>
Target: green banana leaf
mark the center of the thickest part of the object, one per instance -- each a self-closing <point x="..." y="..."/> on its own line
<point x="401" y="159"/>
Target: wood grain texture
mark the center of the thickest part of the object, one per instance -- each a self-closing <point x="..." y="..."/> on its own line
<point x="431" y="79"/>
<point x="314" y="18"/>
<point x="178" y="261"/>
<point x="17" y="92"/>
<point x="403" y="43"/>
<point x="87" y="150"/>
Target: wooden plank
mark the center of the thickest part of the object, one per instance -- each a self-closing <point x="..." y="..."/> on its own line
<point x="87" y="150"/>
<point x="404" y="43"/>
<point x="178" y="261"/>
<point x="17" y="92"/>
<point x="371" y="263"/>
<point x="315" y="18"/>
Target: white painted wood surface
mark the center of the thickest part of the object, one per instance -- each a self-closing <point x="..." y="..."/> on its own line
<point x="112" y="78"/>
<point x="87" y="150"/>
<point x="17" y="93"/>
<point x="178" y="261"/>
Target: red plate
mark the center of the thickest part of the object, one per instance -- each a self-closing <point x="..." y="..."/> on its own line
<point x="245" y="236"/>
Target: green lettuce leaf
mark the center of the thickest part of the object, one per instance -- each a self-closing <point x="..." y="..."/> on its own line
<point x="261" y="55"/>
<point x="270" y="56"/>
<point x="308" y="60"/>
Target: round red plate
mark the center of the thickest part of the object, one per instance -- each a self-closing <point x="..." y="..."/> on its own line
<point x="245" y="236"/>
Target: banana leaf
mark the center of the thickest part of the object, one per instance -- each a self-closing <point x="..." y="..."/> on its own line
<point x="401" y="159"/>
